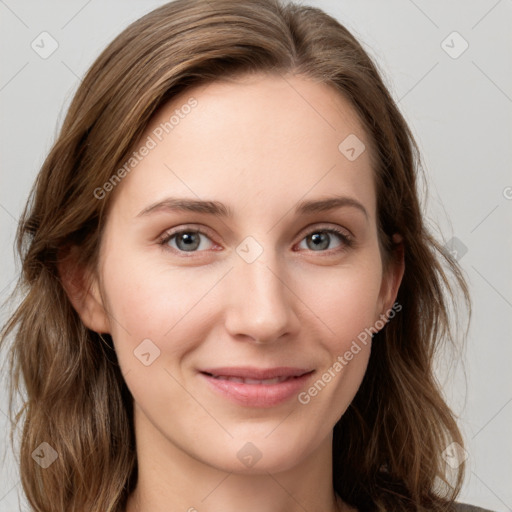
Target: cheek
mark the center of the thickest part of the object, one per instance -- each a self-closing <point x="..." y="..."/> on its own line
<point x="347" y="300"/>
<point x="347" y="308"/>
<point x="162" y="303"/>
<point x="156" y="320"/>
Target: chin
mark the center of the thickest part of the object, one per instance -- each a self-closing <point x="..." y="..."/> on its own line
<point x="260" y="453"/>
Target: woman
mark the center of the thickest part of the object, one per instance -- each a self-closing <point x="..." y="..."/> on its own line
<point x="232" y="299"/>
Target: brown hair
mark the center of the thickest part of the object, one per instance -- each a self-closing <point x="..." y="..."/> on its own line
<point x="388" y="445"/>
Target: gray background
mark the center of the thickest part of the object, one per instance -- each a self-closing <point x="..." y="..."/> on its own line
<point x="458" y="108"/>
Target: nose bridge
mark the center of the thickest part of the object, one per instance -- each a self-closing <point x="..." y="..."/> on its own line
<point x="260" y="305"/>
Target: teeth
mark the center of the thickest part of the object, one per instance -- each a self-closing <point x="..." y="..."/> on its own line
<point x="275" y="380"/>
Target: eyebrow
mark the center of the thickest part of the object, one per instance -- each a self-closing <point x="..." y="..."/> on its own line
<point x="219" y="209"/>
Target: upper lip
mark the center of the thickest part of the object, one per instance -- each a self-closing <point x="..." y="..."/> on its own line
<point x="249" y="372"/>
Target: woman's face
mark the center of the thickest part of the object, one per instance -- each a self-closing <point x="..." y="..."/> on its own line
<point x="251" y="285"/>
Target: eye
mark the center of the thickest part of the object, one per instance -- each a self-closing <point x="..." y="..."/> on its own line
<point x="187" y="240"/>
<point x="319" y="240"/>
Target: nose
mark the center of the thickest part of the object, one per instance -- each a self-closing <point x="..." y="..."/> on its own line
<point x="262" y="307"/>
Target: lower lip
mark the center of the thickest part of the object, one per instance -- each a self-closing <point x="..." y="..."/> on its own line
<point x="258" y="395"/>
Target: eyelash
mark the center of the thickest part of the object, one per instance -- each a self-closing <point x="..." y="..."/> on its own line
<point x="347" y="240"/>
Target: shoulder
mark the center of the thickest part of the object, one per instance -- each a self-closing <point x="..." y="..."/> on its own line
<point x="464" y="507"/>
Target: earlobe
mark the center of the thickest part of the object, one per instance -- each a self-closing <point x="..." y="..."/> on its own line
<point x="82" y="289"/>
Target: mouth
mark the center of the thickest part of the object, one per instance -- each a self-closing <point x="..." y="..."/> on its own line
<point x="253" y="387"/>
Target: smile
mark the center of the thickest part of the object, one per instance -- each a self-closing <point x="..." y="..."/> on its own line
<point x="252" y="387"/>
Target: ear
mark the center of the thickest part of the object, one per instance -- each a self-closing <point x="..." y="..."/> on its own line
<point x="392" y="276"/>
<point x="82" y="289"/>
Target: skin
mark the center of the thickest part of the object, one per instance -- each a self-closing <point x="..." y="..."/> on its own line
<point x="259" y="144"/>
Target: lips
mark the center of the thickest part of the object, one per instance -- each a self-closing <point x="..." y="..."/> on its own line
<point x="256" y="387"/>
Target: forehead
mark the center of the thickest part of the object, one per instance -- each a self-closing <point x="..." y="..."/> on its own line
<point x="253" y="140"/>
